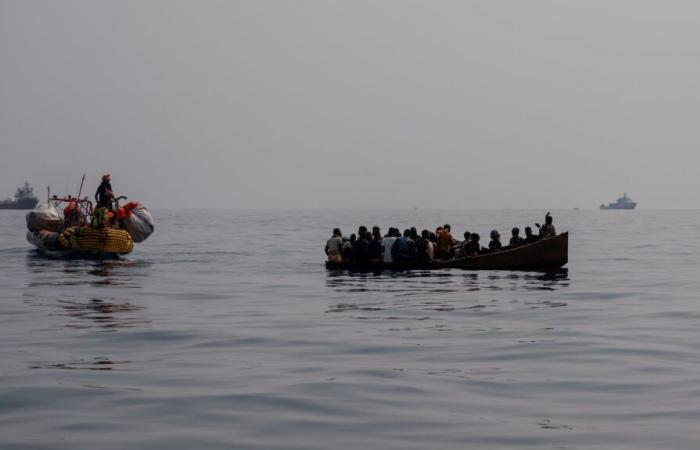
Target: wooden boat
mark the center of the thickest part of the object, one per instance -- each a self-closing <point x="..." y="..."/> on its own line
<point x="548" y="254"/>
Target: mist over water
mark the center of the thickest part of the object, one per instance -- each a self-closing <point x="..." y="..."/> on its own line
<point x="230" y="333"/>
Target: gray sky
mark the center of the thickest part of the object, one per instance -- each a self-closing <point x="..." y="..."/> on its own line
<point x="355" y="104"/>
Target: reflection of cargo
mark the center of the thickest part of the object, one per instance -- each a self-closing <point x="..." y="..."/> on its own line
<point x="24" y="199"/>
<point x="623" y="202"/>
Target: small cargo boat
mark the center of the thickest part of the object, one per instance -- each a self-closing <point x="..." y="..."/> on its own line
<point x="551" y="253"/>
<point x="71" y="227"/>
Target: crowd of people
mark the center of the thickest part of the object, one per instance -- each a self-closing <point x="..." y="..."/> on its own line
<point x="422" y="248"/>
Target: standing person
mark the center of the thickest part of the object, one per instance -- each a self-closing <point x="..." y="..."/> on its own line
<point x="362" y="229"/>
<point x="347" y="247"/>
<point x="387" y="244"/>
<point x="423" y="245"/>
<point x="445" y="242"/>
<point x="360" y="251"/>
<point x="404" y="248"/>
<point x="334" y="247"/>
<point x="548" y="229"/>
<point x="432" y="246"/>
<point x="104" y="194"/>
<point x="375" y="247"/>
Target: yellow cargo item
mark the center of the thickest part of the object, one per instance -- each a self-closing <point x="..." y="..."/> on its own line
<point x="97" y="240"/>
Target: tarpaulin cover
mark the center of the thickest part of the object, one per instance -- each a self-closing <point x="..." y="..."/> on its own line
<point x="44" y="217"/>
<point x="138" y="223"/>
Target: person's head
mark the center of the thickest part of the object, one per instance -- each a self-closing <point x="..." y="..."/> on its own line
<point x="362" y="229"/>
<point x="467" y="235"/>
<point x="438" y="230"/>
<point x="447" y="227"/>
<point x="494" y="235"/>
<point x="353" y="238"/>
<point x="107" y="177"/>
<point x="516" y="231"/>
<point x="406" y="233"/>
<point x="376" y="232"/>
<point x="548" y="219"/>
<point x="397" y="233"/>
<point x="425" y="234"/>
<point x="475" y="237"/>
<point x="414" y="232"/>
<point x="336" y="232"/>
<point x="433" y="237"/>
<point x="528" y="231"/>
<point x="389" y="232"/>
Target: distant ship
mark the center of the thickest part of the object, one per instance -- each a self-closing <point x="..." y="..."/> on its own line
<point x="623" y="202"/>
<point x="24" y="199"/>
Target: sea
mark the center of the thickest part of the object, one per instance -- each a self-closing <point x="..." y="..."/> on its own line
<point x="224" y="330"/>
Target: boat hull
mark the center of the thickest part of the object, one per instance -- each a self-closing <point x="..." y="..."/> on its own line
<point x="102" y="243"/>
<point x="632" y="206"/>
<point x="548" y="254"/>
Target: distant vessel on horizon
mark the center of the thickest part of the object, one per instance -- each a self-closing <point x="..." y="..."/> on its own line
<point x="24" y="199"/>
<point x="623" y="202"/>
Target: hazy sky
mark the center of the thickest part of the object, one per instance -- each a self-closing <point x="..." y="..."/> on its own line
<point x="354" y="104"/>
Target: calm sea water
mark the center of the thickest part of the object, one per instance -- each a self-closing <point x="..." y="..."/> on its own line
<point x="224" y="330"/>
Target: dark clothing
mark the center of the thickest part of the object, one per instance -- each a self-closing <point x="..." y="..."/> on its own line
<point x="360" y="251"/>
<point x="532" y="238"/>
<point x="375" y="249"/>
<point x="515" y="241"/>
<point x="474" y="247"/>
<point x="495" y="244"/>
<point x="404" y="249"/>
<point x="422" y="256"/>
<point x="103" y="195"/>
<point x="347" y="250"/>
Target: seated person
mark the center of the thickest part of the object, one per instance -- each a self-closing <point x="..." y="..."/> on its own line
<point x="516" y="239"/>
<point x="474" y="245"/>
<point x="466" y="243"/>
<point x="530" y="237"/>
<point x="495" y="243"/>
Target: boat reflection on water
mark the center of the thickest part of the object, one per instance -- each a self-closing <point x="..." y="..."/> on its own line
<point x="445" y="281"/>
<point x="106" y="314"/>
<point x="81" y="290"/>
<point x="70" y="271"/>
<point x="412" y="293"/>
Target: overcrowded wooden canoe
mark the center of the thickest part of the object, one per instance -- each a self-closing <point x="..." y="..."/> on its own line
<point x="547" y="254"/>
